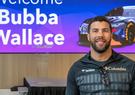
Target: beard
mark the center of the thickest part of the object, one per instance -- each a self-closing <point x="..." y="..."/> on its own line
<point x="100" y="49"/>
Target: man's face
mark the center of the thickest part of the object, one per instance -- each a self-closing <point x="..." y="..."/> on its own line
<point x="100" y="36"/>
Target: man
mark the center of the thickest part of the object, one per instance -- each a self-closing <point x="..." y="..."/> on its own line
<point x="102" y="71"/>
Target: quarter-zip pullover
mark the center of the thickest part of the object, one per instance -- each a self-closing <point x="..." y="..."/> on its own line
<point x="116" y="76"/>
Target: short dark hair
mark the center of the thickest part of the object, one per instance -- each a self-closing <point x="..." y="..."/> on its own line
<point x="99" y="18"/>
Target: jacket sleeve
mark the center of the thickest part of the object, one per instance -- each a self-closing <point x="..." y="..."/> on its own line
<point x="71" y="88"/>
<point x="133" y="82"/>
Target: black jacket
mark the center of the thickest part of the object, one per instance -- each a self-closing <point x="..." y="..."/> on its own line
<point x="116" y="76"/>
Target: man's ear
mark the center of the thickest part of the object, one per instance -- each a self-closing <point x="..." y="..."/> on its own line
<point x="88" y="37"/>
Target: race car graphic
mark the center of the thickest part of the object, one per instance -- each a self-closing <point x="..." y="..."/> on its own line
<point x="123" y="23"/>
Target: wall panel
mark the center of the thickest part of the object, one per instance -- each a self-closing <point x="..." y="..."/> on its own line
<point x="14" y="67"/>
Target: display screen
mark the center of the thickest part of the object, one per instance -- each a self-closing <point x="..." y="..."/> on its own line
<point x="60" y="26"/>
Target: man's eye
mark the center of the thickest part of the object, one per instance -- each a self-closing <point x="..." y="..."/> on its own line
<point x="105" y="30"/>
<point x="94" y="30"/>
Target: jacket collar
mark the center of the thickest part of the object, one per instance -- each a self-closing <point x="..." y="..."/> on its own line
<point x="87" y="59"/>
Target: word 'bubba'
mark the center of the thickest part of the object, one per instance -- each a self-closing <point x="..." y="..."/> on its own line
<point x="27" y="18"/>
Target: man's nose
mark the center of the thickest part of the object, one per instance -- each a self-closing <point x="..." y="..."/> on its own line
<point x="100" y="33"/>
